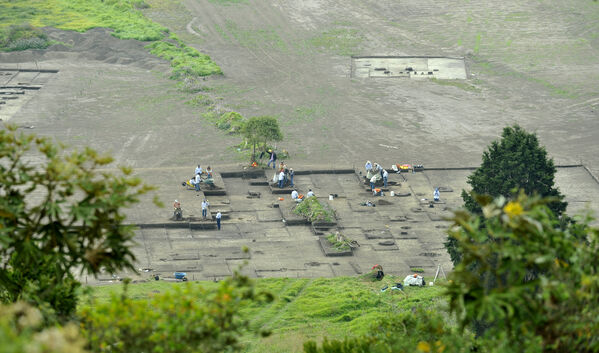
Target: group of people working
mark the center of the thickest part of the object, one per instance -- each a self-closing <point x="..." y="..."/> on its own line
<point x="285" y="175"/>
<point x="194" y="182"/>
<point x="197" y="178"/>
<point x="375" y="172"/>
<point x="297" y="197"/>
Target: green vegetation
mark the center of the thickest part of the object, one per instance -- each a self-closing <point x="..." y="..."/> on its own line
<point x="77" y="224"/>
<point x="524" y="281"/>
<point x="22" y="330"/>
<point x="338" y="245"/>
<point x="186" y="61"/>
<point x="457" y="83"/>
<point x="304" y="308"/>
<point x="122" y="16"/>
<point x="187" y="318"/>
<point x="313" y="210"/>
<point x="516" y="162"/>
<point x="341" y="41"/>
<point x="227" y="2"/>
<point x="45" y="240"/>
<point x="261" y="130"/>
<point x="22" y="37"/>
<point x="232" y="122"/>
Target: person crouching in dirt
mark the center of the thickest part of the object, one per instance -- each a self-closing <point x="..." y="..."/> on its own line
<point x="209" y="172"/>
<point x="178" y="213"/>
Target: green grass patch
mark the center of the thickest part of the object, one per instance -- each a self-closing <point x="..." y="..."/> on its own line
<point x="231" y="122"/>
<point x="341" y="41"/>
<point x="313" y="210"/>
<point x="22" y="37"/>
<point x="227" y="2"/>
<point x="185" y="61"/>
<point x="122" y="16"/>
<point x="338" y="245"/>
<point x="457" y="83"/>
<point x="308" y="308"/>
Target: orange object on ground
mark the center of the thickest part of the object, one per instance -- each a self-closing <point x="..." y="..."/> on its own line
<point x="254" y="164"/>
<point x="281" y="199"/>
<point x="377" y="190"/>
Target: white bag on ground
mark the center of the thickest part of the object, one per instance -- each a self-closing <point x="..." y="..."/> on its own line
<point x="413" y="280"/>
<point x="275" y="178"/>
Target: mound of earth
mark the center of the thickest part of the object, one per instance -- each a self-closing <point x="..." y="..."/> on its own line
<point x="97" y="44"/>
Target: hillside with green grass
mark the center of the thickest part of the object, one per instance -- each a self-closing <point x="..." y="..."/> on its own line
<point x="307" y="309"/>
<point x="19" y="20"/>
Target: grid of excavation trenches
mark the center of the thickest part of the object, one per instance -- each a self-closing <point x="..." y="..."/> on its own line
<point x="401" y="233"/>
<point x="17" y="87"/>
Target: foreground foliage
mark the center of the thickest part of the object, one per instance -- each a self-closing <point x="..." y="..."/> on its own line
<point x="305" y="308"/>
<point x="22" y="330"/>
<point x="531" y="280"/>
<point x="188" y="318"/>
<point x="535" y="283"/>
<point x="59" y="213"/>
<point x="516" y="162"/>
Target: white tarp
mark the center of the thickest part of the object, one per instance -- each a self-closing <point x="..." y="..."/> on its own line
<point x="413" y="280"/>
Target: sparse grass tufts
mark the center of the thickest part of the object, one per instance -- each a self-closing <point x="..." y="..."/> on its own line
<point x="338" y="245"/>
<point x="313" y="210"/>
<point x="232" y="122"/>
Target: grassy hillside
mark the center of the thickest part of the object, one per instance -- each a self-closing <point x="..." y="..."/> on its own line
<point x="122" y="16"/>
<point x="309" y="308"/>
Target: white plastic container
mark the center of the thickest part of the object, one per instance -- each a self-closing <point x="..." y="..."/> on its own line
<point x="392" y="193"/>
<point x="331" y="197"/>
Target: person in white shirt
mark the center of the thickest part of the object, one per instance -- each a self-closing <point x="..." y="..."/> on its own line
<point x="218" y="217"/>
<point x="295" y="196"/>
<point x="372" y="182"/>
<point x="281" y="179"/>
<point x="368" y="166"/>
<point x="205" y="205"/>
<point x="197" y="181"/>
<point x="198" y="170"/>
<point x="310" y="193"/>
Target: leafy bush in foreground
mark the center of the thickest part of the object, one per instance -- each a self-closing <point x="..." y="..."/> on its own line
<point x="57" y="215"/>
<point x="188" y="318"/>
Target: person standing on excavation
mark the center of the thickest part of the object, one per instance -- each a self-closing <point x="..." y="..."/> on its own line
<point x="205" y="205"/>
<point x="273" y="159"/>
<point x="218" y="217"/>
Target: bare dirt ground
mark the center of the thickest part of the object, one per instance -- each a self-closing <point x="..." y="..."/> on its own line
<point x="531" y="63"/>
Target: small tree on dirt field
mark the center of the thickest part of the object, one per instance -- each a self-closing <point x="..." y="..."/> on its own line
<point x="261" y="129"/>
<point x="59" y="213"/>
<point x="516" y="162"/>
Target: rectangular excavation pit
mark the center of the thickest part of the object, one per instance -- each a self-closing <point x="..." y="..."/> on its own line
<point x="445" y="68"/>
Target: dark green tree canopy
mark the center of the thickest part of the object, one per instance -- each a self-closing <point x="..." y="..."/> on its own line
<point x="261" y="129"/>
<point x="515" y="162"/>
